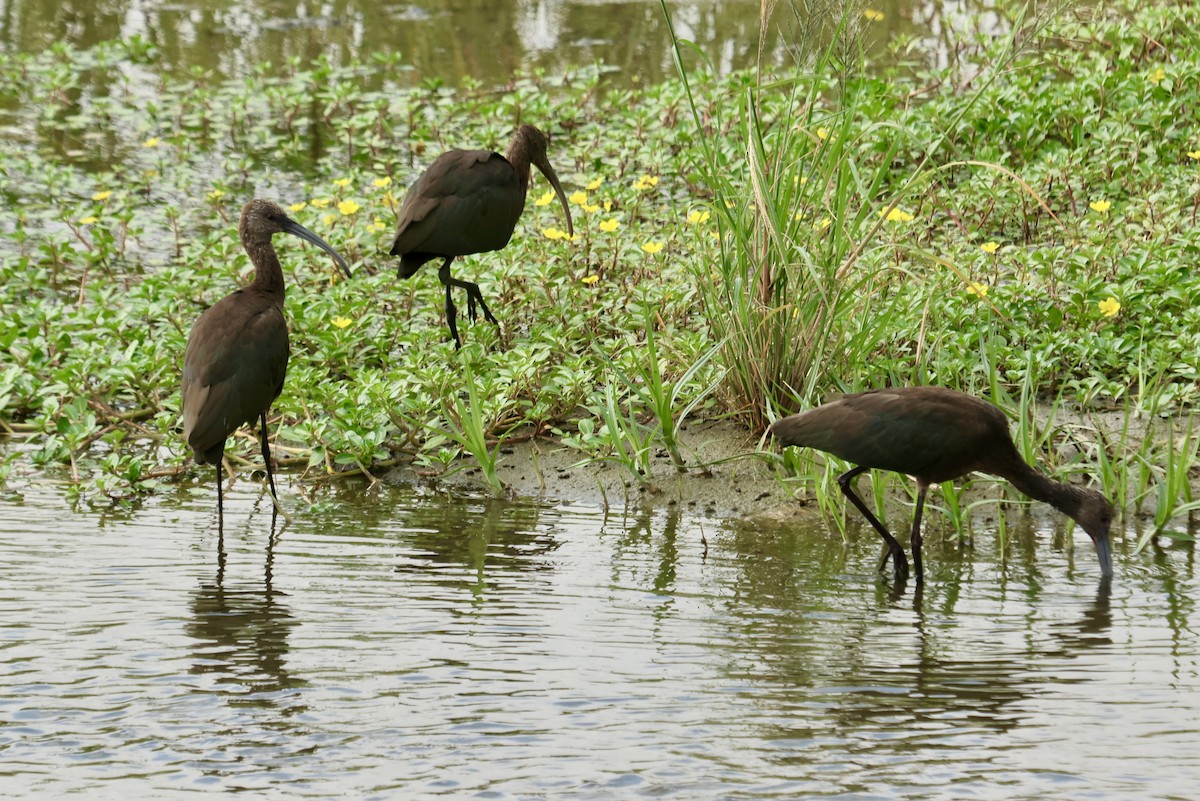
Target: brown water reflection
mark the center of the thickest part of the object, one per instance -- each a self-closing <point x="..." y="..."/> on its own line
<point x="413" y="644"/>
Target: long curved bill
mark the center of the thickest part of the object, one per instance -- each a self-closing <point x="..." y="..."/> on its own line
<point x="548" y="171"/>
<point x="1105" y="555"/>
<point x="296" y="229"/>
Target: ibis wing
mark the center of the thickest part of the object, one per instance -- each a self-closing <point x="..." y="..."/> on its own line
<point x="233" y="370"/>
<point x="929" y="432"/>
<point x="467" y="201"/>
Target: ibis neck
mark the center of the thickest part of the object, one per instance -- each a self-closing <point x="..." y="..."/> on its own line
<point x="1040" y="487"/>
<point x="518" y="157"/>
<point x="268" y="274"/>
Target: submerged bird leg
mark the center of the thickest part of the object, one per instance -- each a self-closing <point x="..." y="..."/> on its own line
<point x="922" y="488"/>
<point x="846" y="482"/>
<point x="451" y="312"/>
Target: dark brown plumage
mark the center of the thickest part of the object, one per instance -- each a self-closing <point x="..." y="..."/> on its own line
<point x="237" y="352"/>
<point x="469" y="201"/>
<point x="934" y="435"/>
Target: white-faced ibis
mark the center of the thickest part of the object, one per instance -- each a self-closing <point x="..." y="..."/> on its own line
<point x="934" y="435"/>
<point x="469" y="201"/>
<point x="237" y="353"/>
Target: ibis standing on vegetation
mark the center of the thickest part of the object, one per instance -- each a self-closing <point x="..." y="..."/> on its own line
<point x="237" y="353"/>
<point x="469" y="201"/>
<point x="934" y="435"/>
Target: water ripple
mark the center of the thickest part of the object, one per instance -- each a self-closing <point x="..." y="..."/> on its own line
<point x="412" y="645"/>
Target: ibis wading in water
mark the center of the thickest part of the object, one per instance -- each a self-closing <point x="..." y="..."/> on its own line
<point x="934" y="435"/>
<point x="237" y="353"/>
<point x="469" y="201"/>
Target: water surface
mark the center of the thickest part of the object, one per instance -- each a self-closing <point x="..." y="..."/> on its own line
<point x="412" y="644"/>
<point x="489" y="41"/>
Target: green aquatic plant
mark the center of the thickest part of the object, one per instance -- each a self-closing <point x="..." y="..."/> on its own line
<point x="648" y="386"/>
<point x="821" y="227"/>
<point x="1173" y="496"/>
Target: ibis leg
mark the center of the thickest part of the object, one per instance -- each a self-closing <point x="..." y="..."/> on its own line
<point x="451" y="312"/>
<point x="266" y="449"/>
<point x="474" y="296"/>
<point x="916" y="532"/>
<point x="846" y="482"/>
<point x="220" y="500"/>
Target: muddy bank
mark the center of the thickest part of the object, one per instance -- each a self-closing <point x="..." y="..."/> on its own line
<point x="738" y="481"/>
<point x="741" y="479"/>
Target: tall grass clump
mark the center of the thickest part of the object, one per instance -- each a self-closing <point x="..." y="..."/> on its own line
<point x="803" y="292"/>
<point x="795" y="200"/>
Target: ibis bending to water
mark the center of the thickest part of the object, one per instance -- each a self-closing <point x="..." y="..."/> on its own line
<point x="469" y="201"/>
<point x="237" y="353"/>
<point x="934" y="435"/>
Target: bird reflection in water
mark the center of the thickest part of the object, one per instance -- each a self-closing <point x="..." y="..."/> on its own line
<point x="241" y="631"/>
<point x="953" y="678"/>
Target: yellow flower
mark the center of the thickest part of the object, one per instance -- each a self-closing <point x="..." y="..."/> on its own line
<point x="1193" y="154"/>
<point x="645" y="182"/>
<point x="1156" y="77"/>
<point x="608" y="205"/>
<point x="872" y="15"/>
<point x="554" y="233"/>
<point x="342" y="182"/>
<point x="1109" y="307"/>
<point x="348" y="207"/>
<point x="652" y="247"/>
<point x="297" y="206"/>
<point x="105" y="195"/>
<point x="578" y="198"/>
<point x="823" y="223"/>
<point x="608" y="226"/>
<point x="320" y="202"/>
<point x="896" y="215"/>
<point x="591" y="208"/>
<point x="376" y="226"/>
<point x="822" y="133"/>
<point x="697" y="217"/>
<point x="153" y="141"/>
<point x="800" y="180"/>
<point x="798" y="215"/>
<point x="89" y="220"/>
<point x="341" y="322"/>
<point x="545" y="199"/>
<point x="382" y="182"/>
<point x="1101" y="206"/>
<point x="595" y="183"/>
<point x="977" y="289"/>
<point x="990" y="247"/>
<point x="216" y="194"/>
<point x="328" y="219"/>
<point x="590" y="279"/>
